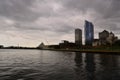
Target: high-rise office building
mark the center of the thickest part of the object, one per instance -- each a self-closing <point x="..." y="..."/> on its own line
<point x="89" y="33"/>
<point x="78" y="37"/>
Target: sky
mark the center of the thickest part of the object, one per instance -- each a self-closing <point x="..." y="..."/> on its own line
<point x="30" y="22"/>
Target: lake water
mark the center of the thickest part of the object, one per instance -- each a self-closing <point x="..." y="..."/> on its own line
<point x="54" y="65"/>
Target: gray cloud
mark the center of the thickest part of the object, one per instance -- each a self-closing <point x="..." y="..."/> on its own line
<point x="35" y="21"/>
<point x="106" y="8"/>
<point x="17" y="9"/>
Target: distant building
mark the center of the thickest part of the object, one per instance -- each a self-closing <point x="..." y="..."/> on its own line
<point x="107" y="38"/>
<point x="111" y="38"/>
<point x="78" y="37"/>
<point x="65" y="41"/>
<point x="89" y="33"/>
<point x="53" y="47"/>
<point x="117" y="43"/>
<point x="103" y="37"/>
<point x="96" y="42"/>
<point x="1" y="46"/>
<point x="41" y="46"/>
<point x="67" y="45"/>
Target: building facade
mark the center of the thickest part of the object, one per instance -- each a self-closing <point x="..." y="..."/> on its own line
<point x="103" y="37"/>
<point x="78" y="36"/>
<point x="107" y="38"/>
<point x="89" y="33"/>
<point x="96" y="42"/>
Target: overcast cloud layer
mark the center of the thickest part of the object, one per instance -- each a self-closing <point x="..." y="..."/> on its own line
<point x="30" y="22"/>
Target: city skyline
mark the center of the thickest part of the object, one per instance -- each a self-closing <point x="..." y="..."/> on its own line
<point x="30" y="22"/>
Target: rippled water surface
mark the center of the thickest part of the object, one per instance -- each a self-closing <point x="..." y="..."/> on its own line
<point x="54" y="65"/>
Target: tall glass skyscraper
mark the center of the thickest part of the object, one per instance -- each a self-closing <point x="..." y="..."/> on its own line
<point x="89" y="33"/>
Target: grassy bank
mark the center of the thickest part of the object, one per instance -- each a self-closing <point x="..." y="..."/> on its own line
<point x="93" y="50"/>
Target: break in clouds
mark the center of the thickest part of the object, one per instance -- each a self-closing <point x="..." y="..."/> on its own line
<point x="30" y="22"/>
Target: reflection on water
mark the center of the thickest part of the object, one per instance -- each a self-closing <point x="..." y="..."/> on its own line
<point x="79" y="70"/>
<point x="53" y="65"/>
<point x="90" y="66"/>
<point x="110" y="67"/>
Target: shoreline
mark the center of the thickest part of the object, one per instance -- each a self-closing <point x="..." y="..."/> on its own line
<point x="85" y="51"/>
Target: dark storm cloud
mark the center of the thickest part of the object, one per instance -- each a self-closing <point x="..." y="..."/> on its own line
<point x="113" y="10"/>
<point x="106" y="8"/>
<point x="58" y="27"/>
<point x="17" y="9"/>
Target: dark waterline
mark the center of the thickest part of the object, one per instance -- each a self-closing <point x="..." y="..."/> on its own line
<point x="54" y="65"/>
